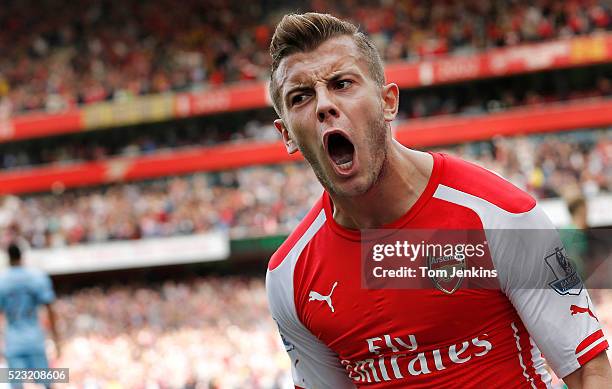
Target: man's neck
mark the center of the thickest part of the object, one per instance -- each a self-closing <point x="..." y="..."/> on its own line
<point x="403" y="179"/>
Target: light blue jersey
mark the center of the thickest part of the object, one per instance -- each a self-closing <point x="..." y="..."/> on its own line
<point x="22" y="291"/>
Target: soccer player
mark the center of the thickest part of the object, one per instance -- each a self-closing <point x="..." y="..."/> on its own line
<point x="22" y="291"/>
<point x="328" y="88"/>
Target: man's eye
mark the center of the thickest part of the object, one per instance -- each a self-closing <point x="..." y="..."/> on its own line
<point x="298" y="99"/>
<point x="342" y="84"/>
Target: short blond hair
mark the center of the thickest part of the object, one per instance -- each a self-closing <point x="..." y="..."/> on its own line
<point x="305" y="32"/>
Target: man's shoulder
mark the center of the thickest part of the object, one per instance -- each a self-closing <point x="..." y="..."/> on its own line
<point x="316" y="215"/>
<point x="485" y="184"/>
<point x="24" y="275"/>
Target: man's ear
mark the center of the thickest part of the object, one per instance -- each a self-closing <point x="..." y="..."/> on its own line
<point x="289" y="143"/>
<point x="390" y="97"/>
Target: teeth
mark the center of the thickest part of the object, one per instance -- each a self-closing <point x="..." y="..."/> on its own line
<point x="346" y="166"/>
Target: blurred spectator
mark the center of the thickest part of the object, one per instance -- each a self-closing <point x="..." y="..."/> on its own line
<point x="575" y="236"/>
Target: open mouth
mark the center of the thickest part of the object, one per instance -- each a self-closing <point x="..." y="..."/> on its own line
<point x="340" y="150"/>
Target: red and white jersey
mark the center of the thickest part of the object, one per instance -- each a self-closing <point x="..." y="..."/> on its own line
<point x="340" y="335"/>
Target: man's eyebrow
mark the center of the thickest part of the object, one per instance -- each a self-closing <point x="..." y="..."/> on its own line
<point x="335" y="76"/>
<point x="298" y="88"/>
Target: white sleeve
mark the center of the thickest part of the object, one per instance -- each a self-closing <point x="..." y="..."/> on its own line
<point x="547" y="293"/>
<point x="313" y="364"/>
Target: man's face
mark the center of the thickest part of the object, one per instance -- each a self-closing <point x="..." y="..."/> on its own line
<point x="335" y="114"/>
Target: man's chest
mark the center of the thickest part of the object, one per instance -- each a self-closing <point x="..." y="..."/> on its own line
<point x="362" y="324"/>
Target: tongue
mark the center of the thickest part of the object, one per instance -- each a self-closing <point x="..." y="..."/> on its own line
<point x="343" y="158"/>
<point x="341" y="150"/>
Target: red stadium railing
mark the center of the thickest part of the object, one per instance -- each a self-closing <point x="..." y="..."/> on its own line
<point x="416" y="133"/>
<point x="556" y="54"/>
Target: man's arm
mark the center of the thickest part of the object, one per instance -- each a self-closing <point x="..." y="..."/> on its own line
<point x="313" y="364"/>
<point x="54" y="333"/>
<point x="594" y="374"/>
<point x="542" y="285"/>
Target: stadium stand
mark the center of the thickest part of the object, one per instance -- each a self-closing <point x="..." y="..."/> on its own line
<point x="486" y="96"/>
<point x="103" y="51"/>
<point x="208" y="333"/>
<point x="264" y="200"/>
<point x="118" y="123"/>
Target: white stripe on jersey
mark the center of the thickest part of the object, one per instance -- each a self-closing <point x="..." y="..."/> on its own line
<point x="520" y="356"/>
<point x="539" y="364"/>
<point x="589" y="347"/>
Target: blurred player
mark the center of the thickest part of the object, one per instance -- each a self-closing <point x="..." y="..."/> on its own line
<point x="576" y="235"/>
<point x="22" y="291"/>
<point x="328" y="87"/>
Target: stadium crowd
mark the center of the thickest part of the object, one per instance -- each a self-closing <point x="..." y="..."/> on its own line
<point x="550" y="165"/>
<point x="134" y="141"/>
<point x="105" y="50"/>
<point x="464" y="99"/>
<point x="266" y="200"/>
<point x="216" y="332"/>
<point x="205" y="333"/>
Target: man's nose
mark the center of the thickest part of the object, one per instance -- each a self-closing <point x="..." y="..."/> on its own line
<point x="326" y="108"/>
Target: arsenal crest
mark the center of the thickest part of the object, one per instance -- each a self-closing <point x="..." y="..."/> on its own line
<point x="567" y="280"/>
<point x="443" y="272"/>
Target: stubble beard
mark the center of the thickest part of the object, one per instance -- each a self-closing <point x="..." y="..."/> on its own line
<point x="376" y="152"/>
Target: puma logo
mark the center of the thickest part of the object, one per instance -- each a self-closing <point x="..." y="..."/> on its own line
<point x="316" y="296"/>
<point x="574" y="309"/>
